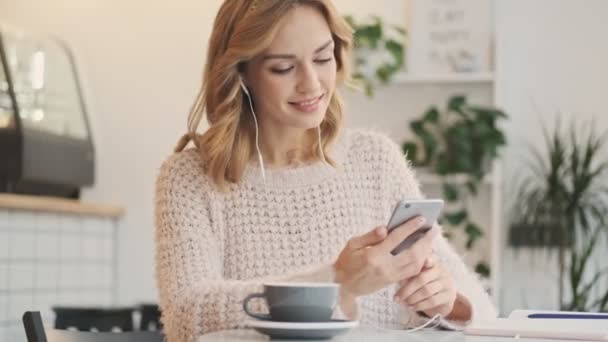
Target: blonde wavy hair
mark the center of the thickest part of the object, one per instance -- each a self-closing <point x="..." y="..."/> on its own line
<point x="242" y="30"/>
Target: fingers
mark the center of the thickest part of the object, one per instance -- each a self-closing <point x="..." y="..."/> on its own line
<point x="370" y="238"/>
<point x="427" y="291"/>
<point x="412" y="261"/>
<point x="417" y="286"/>
<point x="410" y="270"/>
<point x="439" y="299"/>
<point x="431" y="261"/>
<point x="426" y="242"/>
<point x="401" y="233"/>
<point x="419" y="252"/>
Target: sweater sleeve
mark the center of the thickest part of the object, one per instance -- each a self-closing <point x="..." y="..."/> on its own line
<point x="194" y="296"/>
<point x="401" y="184"/>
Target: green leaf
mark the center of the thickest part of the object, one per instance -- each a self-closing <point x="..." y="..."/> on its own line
<point x="370" y="35"/>
<point x="429" y="143"/>
<point x="384" y="72"/>
<point x="489" y="114"/>
<point x="432" y="115"/>
<point x="483" y="269"/>
<point x="396" y="50"/>
<point x="602" y="303"/>
<point x="473" y="234"/>
<point x="402" y="32"/>
<point x="450" y="192"/>
<point x="410" y="151"/>
<point x="455" y="103"/>
<point x="456" y="218"/>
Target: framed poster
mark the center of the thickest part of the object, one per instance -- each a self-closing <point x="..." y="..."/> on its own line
<point x="448" y="36"/>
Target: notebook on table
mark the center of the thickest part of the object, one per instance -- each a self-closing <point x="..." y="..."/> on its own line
<point x="534" y="314"/>
<point x="548" y="328"/>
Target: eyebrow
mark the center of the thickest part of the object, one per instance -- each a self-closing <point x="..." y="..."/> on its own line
<point x="288" y="56"/>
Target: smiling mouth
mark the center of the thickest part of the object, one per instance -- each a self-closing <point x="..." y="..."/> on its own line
<point x="309" y="102"/>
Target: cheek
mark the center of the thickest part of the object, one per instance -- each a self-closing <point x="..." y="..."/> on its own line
<point x="329" y="77"/>
<point x="277" y="89"/>
<point x="272" y="92"/>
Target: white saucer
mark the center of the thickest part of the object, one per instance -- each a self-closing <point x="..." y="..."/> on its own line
<point x="302" y="330"/>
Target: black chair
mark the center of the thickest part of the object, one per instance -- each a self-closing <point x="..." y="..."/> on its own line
<point x="150" y="317"/>
<point x="100" y="319"/>
<point x="35" y="332"/>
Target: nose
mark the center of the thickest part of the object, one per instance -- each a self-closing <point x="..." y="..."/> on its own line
<point x="308" y="80"/>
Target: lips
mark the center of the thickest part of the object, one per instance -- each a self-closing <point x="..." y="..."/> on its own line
<point x="307" y="105"/>
<point x="307" y="102"/>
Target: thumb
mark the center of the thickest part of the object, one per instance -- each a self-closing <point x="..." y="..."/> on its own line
<point x="370" y="238"/>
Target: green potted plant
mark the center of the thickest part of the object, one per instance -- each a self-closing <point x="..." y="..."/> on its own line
<point x="378" y="52"/>
<point x="461" y="141"/>
<point x="562" y="206"/>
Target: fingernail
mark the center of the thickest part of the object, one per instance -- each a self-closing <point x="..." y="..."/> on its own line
<point x="421" y="220"/>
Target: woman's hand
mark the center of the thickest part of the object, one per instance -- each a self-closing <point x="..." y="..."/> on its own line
<point x="433" y="292"/>
<point x="366" y="264"/>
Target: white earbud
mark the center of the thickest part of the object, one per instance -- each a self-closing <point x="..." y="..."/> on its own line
<point x="257" y="134"/>
<point x="243" y="86"/>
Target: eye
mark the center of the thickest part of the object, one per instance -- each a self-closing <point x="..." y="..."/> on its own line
<point x="281" y="71"/>
<point x="324" y="60"/>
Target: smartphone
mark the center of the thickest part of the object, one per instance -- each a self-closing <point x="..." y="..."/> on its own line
<point x="406" y="210"/>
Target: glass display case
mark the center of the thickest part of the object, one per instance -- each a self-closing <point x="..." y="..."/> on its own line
<point x="45" y="142"/>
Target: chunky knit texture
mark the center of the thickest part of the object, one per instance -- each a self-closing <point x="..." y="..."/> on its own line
<point x="214" y="248"/>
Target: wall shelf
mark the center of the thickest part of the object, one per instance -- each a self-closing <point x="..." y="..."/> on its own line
<point x="448" y="78"/>
<point x="458" y="179"/>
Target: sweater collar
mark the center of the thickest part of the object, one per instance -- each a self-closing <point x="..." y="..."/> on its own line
<point x="305" y="175"/>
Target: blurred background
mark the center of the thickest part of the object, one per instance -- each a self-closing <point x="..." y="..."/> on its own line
<point x="499" y="105"/>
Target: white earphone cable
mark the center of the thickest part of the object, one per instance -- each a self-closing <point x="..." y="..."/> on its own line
<point x="257" y="134"/>
<point x="426" y="324"/>
<point x="321" y="146"/>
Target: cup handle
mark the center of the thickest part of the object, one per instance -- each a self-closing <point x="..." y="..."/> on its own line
<point x="265" y="317"/>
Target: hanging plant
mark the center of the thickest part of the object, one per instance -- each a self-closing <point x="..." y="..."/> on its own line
<point x="461" y="141"/>
<point x="378" y="52"/>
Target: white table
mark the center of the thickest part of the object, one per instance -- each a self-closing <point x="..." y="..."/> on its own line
<point x="368" y="335"/>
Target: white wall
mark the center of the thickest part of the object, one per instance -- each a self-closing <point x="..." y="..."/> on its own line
<point x="392" y="11"/>
<point x="141" y="62"/>
<point x="551" y="57"/>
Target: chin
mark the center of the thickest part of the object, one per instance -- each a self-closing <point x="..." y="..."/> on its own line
<point x="307" y="120"/>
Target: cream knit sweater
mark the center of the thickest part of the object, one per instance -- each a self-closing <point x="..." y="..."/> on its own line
<point x="213" y="248"/>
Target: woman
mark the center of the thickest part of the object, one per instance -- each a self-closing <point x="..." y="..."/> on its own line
<point x="275" y="190"/>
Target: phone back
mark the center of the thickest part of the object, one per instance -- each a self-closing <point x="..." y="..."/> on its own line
<point x="405" y="210"/>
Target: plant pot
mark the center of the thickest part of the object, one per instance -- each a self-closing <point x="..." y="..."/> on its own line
<point x="527" y="235"/>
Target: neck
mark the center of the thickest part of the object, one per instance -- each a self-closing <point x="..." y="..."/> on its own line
<point x="287" y="147"/>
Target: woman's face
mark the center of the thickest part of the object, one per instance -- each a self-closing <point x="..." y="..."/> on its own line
<point x="294" y="79"/>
